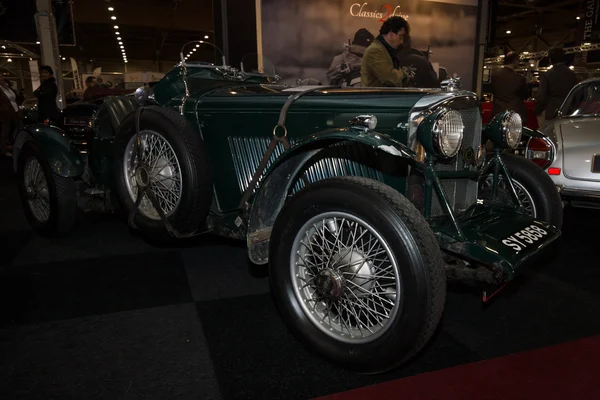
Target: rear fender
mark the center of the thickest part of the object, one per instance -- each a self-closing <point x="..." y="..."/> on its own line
<point x="64" y="159"/>
<point x="273" y="191"/>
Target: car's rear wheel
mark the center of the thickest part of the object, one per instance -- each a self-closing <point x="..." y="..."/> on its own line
<point x="49" y="200"/>
<point x="356" y="273"/>
<point x="172" y="163"/>
<point x="536" y="191"/>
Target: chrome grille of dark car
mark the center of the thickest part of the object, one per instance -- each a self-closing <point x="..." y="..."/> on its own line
<point x="77" y="130"/>
<point x="247" y="153"/>
<point x="461" y="192"/>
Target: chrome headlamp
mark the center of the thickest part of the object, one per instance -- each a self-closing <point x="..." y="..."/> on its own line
<point x="505" y="129"/>
<point x="441" y="133"/>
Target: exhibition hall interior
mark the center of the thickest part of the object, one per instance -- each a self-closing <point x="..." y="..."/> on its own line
<point x="300" y="199"/>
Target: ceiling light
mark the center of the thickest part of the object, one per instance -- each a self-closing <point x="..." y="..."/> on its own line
<point x="111" y="9"/>
<point x="531" y="65"/>
<point x="571" y="67"/>
<point x="119" y="38"/>
<point x="117" y="33"/>
<point x="9" y="60"/>
<point x="64" y="58"/>
<point x="125" y="61"/>
<point x="194" y="49"/>
<point x="197" y="45"/>
<point x="116" y="26"/>
<point x="120" y="42"/>
<point x="113" y="17"/>
<point x="3" y="47"/>
<point x="577" y="17"/>
<point x="508" y="32"/>
<point x="586" y="44"/>
<point x="205" y="36"/>
<point x="37" y="42"/>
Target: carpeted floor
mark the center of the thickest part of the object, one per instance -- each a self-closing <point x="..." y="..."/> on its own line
<point x="104" y="315"/>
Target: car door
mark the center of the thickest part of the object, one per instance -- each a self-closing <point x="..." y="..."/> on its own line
<point x="579" y="130"/>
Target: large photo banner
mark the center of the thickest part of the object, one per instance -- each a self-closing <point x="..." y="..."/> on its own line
<point x="301" y="38"/>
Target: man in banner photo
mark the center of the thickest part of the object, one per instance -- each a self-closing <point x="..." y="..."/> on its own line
<point x="381" y="66"/>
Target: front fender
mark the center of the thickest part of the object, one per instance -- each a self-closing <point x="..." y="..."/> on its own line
<point x="64" y="159"/>
<point x="278" y="180"/>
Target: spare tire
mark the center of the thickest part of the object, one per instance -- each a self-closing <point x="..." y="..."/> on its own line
<point x="175" y="166"/>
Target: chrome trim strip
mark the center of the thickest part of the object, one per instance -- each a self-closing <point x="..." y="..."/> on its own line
<point x="581" y="193"/>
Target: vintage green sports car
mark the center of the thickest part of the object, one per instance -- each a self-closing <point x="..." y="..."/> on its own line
<point x="362" y="201"/>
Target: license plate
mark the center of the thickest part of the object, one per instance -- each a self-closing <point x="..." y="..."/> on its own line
<point x="525" y="238"/>
<point x="596" y="163"/>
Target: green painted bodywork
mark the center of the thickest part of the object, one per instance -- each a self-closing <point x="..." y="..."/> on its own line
<point x="232" y="109"/>
<point x="62" y="156"/>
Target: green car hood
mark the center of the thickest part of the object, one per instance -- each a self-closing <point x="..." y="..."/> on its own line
<point x="208" y="94"/>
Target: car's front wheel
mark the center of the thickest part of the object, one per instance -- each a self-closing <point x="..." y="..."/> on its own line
<point x="536" y="191"/>
<point x="356" y="273"/>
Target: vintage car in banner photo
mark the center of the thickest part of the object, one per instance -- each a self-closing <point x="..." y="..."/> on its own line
<point x="363" y="202"/>
<point x="570" y="150"/>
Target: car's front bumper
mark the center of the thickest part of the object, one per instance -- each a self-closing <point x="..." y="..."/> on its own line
<point x="496" y="237"/>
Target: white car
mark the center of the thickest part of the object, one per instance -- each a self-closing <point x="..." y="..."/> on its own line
<point x="570" y="152"/>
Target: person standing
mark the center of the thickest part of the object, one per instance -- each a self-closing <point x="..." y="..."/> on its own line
<point x="9" y="114"/>
<point x="555" y="85"/>
<point x="509" y="88"/>
<point x="46" y="95"/>
<point x="381" y="66"/>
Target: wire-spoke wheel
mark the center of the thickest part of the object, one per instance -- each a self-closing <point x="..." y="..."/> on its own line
<point x="36" y="187"/>
<point x="170" y="165"/>
<point x="158" y="166"/>
<point x="536" y="191"/>
<point x="356" y="273"/>
<point x="49" y="200"/>
<point x="345" y="276"/>
<point x="525" y="198"/>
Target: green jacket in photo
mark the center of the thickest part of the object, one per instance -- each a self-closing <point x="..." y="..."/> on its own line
<point x="377" y="69"/>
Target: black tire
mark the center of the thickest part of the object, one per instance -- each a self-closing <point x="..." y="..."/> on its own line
<point x="421" y="271"/>
<point x="62" y="195"/>
<point x="196" y="177"/>
<point x="541" y="188"/>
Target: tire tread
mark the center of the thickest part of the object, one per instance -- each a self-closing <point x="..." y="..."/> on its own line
<point x="429" y="250"/>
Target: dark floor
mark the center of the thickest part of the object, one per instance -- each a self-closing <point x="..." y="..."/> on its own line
<point x="104" y="315"/>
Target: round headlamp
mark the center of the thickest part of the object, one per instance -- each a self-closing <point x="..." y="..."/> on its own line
<point x="441" y="133"/>
<point x="505" y="129"/>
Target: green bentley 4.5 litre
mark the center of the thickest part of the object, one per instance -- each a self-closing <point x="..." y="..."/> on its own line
<point x="362" y="201"/>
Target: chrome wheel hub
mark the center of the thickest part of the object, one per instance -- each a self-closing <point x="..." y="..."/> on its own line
<point x="329" y="284"/>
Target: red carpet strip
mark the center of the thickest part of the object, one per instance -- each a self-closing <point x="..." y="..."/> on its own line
<point x="566" y="371"/>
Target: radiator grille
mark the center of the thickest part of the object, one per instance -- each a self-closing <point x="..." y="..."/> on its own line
<point x="461" y="192"/>
<point x="248" y="152"/>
